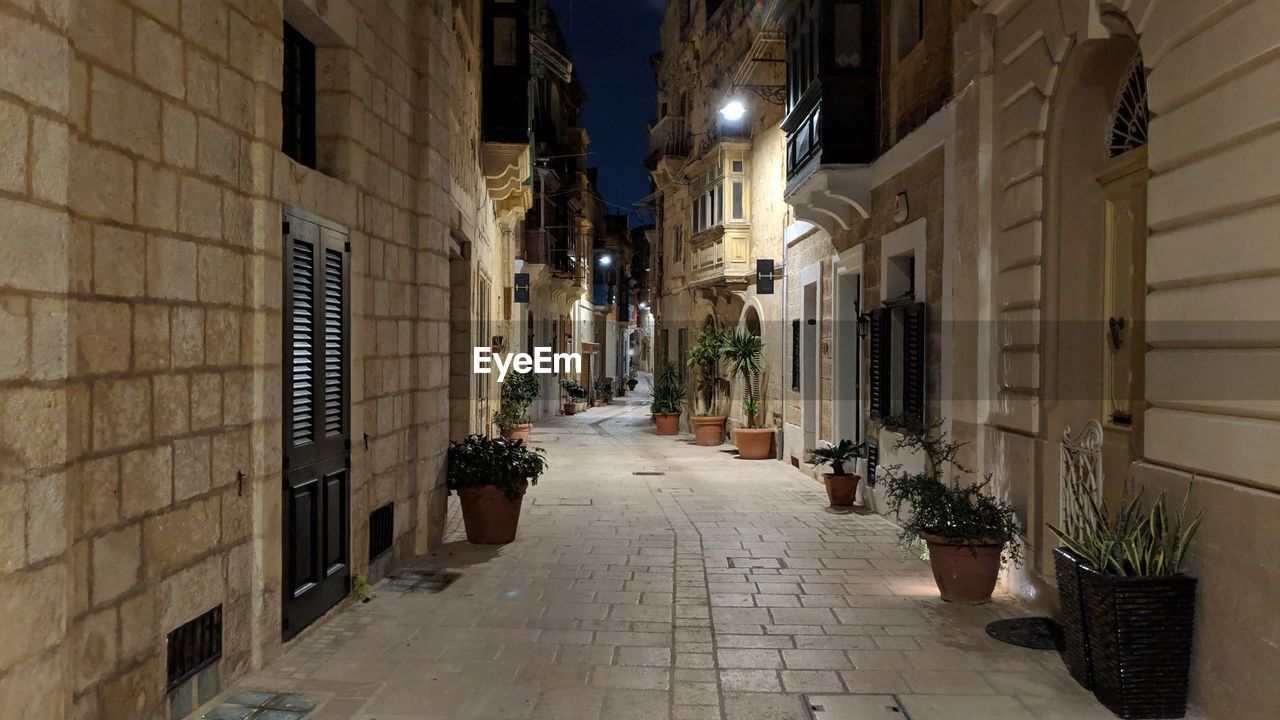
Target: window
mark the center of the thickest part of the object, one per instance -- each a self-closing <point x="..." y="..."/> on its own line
<point x="897" y="349"/>
<point x="298" y="98"/>
<point x="506" y="46"/>
<point x="908" y="20"/>
<point x="848" y="35"/>
<point x="709" y="191"/>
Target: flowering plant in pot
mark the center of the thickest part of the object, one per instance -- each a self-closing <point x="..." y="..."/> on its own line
<point x="842" y="486"/>
<point x="970" y="533"/>
<point x="668" y="400"/>
<point x="519" y="390"/>
<point x="491" y="476"/>
<point x="744" y="351"/>
<point x="1137" y="606"/>
<point x="704" y="356"/>
<point x="574" y="393"/>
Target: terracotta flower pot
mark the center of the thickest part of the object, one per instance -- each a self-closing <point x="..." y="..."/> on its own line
<point x="598" y="403"/>
<point x="519" y="432"/>
<point x="841" y="489"/>
<point x="631" y="384"/>
<point x="708" y="431"/>
<point x="668" y="423"/>
<point x="965" y="570"/>
<point x="754" y="443"/>
<point x="490" y="518"/>
<point x="570" y="408"/>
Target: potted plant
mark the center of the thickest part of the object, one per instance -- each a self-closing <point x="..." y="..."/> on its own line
<point x="491" y="476"/>
<point x="632" y="381"/>
<point x="1068" y="567"/>
<point x="704" y="356"/>
<point x="668" y="400"/>
<point x="574" y="393"/>
<point x="519" y="390"/>
<point x="1138" y="605"/>
<point x="744" y="352"/>
<point x="842" y="486"/>
<point x="604" y="391"/>
<point x="970" y="534"/>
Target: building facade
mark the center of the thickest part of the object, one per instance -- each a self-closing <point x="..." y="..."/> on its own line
<point x="1027" y="221"/>
<point x="238" y="241"/>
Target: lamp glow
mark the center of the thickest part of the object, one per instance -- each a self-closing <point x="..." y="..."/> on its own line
<point x="733" y="110"/>
<point x="606" y="260"/>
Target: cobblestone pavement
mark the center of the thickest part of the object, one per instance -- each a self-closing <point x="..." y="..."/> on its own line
<point x="654" y="579"/>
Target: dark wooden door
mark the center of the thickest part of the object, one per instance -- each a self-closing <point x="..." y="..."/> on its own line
<point x="317" y="446"/>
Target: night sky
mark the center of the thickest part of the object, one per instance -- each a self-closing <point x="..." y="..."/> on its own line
<point x="611" y="41"/>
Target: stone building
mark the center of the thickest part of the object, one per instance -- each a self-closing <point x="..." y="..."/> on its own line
<point x="234" y="232"/>
<point x="718" y="182"/>
<point x="1027" y="219"/>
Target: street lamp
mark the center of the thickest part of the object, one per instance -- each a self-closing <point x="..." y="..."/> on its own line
<point x="733" y="110"/>
<point x="606" y="260"/>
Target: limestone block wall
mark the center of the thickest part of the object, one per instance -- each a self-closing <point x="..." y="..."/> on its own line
<point x="141" y="188"/>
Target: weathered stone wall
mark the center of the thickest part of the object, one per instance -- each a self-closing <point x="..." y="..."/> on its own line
<point x="140" y="293"/>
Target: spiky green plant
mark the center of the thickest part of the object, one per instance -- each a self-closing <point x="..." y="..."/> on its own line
<point x="705" y="356"/>
<point x="744" y="351"/>
<point x="1131" y="542"/>
<point x="837" y="455"/>
<point x="669" y="391"/>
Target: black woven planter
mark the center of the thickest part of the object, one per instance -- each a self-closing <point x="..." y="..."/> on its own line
<point x="1075" y="633"/>
<point x="1139" y="632"/>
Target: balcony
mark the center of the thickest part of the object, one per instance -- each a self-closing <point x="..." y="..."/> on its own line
<point x="669" y="139"/>
<point x="721" y="256"/>
<point x="557" y="248"/>
<point x="830" y="147"/>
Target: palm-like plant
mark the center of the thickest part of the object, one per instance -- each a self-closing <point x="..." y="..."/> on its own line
<point x="837" y="455"/>
<point x="744" y="352"/>
<point x="705" y="356"/>
<point x="668" y="392"/>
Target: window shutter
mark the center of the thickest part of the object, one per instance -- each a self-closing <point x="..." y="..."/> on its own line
<point x="915" y="331"/>
<point x="878" y="364"/>
<point x="795" y="354"/>
<point x="316" y="340"/>
<point x="873" y="460"/>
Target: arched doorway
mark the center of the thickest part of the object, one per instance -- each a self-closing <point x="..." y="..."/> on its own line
<point x="1094" y="269"/>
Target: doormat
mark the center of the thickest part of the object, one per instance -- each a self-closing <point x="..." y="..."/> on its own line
<point x="259" y="705"/>
<point x="1037" y="633"/>
<point x="855" y="706"/>
<point x="428" y="583"/>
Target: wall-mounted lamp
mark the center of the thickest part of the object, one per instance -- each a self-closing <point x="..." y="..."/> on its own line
<point x="733" y="110"/>
<point x="606" y="260"/>
<point x="864" y="325"/>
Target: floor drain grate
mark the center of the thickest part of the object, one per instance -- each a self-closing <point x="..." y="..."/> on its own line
<point x="427" y="583"/>
<point x="648" y="472"/>
<point x="856" y="706"/>
<point x="253" y="704"/>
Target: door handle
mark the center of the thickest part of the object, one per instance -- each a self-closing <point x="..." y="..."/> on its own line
<point x="1115" y="332"/>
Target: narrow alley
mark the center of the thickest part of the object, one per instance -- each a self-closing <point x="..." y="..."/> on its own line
<point x="656" y="579"/>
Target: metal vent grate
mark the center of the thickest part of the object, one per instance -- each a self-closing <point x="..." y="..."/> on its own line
<point x="382" y="529"/>
<point x="648" y="472"/>
<point x="194" y="647"/>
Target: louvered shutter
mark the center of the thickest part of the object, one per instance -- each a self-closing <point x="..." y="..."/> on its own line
<point x="873" y="461"/>
<point x="878" y="364"/>
<point x="316" y="339"/>
<point x="795" y="354"/>
<point x="915" y="341"/>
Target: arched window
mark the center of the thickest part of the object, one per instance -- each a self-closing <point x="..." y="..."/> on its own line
<point x="1130" y="116"/>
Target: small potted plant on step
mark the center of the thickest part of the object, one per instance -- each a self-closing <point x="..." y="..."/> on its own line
<point x="604" y="391"/>
<point x="574" y="393"/>
<point x="842" y="486"/>
<point x="1138" y="606"/>
<point x="744" y="351"/>
<point x="632" y="381"/>
<point x="704" y="356"/>
<point x="519" y="390"/>
<point x="491" y="476"/>
<point x="668" y="400"/>
<point x="970" y="533"/>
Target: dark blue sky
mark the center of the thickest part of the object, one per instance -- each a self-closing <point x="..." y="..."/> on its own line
<point x="611" y="41"/>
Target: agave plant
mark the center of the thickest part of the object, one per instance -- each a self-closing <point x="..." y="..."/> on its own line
<point x="744" y="352"/>
<point x="1131" y="542"/>
<point x="837" y="455"/>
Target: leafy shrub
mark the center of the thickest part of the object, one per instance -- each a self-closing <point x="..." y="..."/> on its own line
<point x="937" y="502"/>
<point x="604" y="388"/>
<point x="573" y="390"/>
<point x="506" y="464"/>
